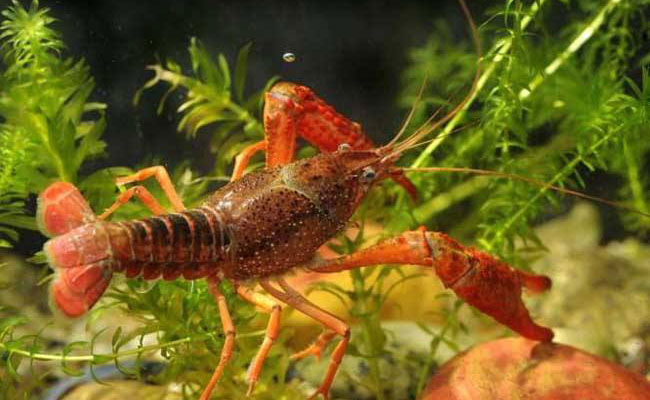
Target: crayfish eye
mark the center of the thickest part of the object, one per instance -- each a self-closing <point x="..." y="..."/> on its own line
<point x="344" y="147"/>
<point x="368" y="174"/>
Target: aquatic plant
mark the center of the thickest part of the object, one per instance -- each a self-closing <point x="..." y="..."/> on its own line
<point x="557" y="104"/>
<point x="554" y="107"/>
<point x="44" y="107"/>
<point x="564" y="105"/>
<point x="214" y="101"/>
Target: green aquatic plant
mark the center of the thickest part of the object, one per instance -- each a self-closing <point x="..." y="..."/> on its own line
<point x="556" y="105"/>
<point x="553" y="107"/>
<point x="44" y="107"/>
<point x="214" y="101"/>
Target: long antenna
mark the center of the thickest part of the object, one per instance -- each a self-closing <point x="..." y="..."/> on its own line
<point x="531" y="181"/>
<point x="426" y="128"/>
<point x="407" y="121"/>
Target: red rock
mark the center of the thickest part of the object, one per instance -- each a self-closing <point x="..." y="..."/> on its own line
<point x="522" y="369"/>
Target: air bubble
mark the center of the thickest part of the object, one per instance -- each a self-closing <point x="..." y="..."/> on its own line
<point x="289" y="57"/>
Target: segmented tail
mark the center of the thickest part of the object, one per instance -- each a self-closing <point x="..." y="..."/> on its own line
<point x="82" y="275"/>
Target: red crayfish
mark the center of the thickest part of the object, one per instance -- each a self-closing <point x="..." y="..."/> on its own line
<point x="269" y="222"/>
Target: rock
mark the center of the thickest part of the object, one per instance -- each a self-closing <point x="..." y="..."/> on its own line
<point x="118" y="390"/>
<point x="517" y="368"/>
<point x="600" y="299"/>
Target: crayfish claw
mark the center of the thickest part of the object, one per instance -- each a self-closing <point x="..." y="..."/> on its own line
<point x="494" y="287"/>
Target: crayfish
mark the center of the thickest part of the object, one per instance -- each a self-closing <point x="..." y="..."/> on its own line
<point x="267" y="223"/>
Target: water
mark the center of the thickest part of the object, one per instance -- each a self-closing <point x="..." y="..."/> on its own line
<point x="555" y="109"/>
<point x="289" y="57"/>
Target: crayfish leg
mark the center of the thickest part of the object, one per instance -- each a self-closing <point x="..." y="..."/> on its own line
<point x="162" y="177"/>
<point x="243" y="158"/>
<point x="229" y="332"/>
<point x="142" y="194"/>
<point x="292" y="111"/>
<point x="293" y="298"/>
<point x="269" y="306"/>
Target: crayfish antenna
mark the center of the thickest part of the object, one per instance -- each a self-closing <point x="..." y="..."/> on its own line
<point x="430" y="125"/>
<point x="531" y="181"/>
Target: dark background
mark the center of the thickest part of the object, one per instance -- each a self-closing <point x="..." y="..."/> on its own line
<point x="351" y="53"/>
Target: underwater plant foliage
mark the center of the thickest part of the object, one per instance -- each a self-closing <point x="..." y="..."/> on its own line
<point x="44" y="107"/>
<point x="562" y="105"/>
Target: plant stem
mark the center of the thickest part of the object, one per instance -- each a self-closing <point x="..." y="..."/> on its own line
<point x="41" y="128"/>
<point x="633" y="177"/>
<point x="501" y="48"/>
<point x="568" y="168"/>
<point x="93" y="357"/>
<point x="445" y="200"/>
<point x="435" y="344"/>
<point x="366" y="325"/>
<point x="112" y="356"/>
<point x="575" y="45"/>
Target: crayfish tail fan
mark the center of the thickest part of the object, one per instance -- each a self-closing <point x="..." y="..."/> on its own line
<point x="82" y="259"/>
<point x="61" y="208"/>
<point x="75" y="290"/>
<point x="78" y="258"/>
<point x="82" y="266"/>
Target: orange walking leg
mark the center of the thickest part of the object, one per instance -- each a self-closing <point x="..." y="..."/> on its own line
<point x="293" y="298"/>
<point x="160" y="173"/>
<point x="292" y="111"/>
<point x="229" y="331"/>
<point x="267" y="305"/>
<point x="280" y="137"/>
<point x="243" y="158"/>
<point x="141" y="193"/>
<point x="317" y="347"/>
<point x="480" y="279"/>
